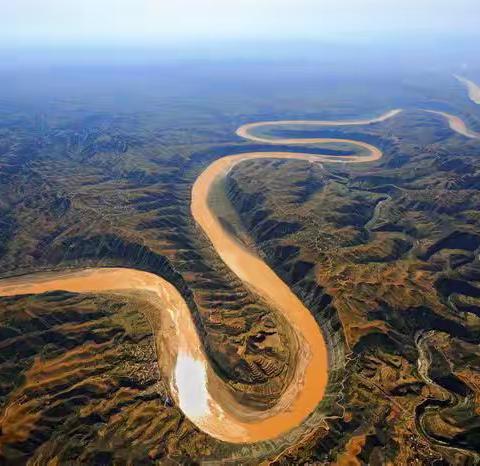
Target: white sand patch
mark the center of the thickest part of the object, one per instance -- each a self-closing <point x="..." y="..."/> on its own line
<point x="191" y="383"/>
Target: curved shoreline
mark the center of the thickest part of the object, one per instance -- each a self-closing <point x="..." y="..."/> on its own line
<point x="456" y="124"/>
<point x="202" y="396"/>
<point x="245" y="130"/>
<point x="472" y="88"/>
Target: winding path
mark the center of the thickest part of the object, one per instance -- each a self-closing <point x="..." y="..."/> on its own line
<point x="423" y="343"/>
<point x="202" y="396"/>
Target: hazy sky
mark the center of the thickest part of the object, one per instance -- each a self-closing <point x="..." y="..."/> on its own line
<point x="152" y="22"/>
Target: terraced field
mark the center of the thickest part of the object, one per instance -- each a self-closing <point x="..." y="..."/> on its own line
<point x="394" y="263"/>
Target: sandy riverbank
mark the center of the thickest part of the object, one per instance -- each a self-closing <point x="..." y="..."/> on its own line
<point x="203" y="397"/>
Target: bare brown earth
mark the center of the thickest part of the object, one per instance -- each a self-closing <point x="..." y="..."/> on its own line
<point x="215" y="410"/>
<point x="196" y="389"/>
<point x="382" y="384"/>
<point x="89" y="389"/>
<point x="389" y="246"/>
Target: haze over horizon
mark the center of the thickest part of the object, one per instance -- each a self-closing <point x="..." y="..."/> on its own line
<point x="90" y="23"/>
